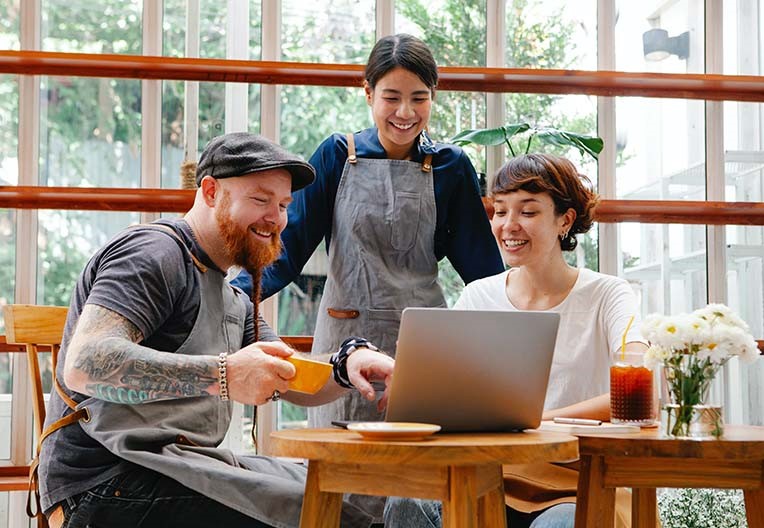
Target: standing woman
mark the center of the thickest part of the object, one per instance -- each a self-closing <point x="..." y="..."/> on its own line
<point x="390" y="203"/>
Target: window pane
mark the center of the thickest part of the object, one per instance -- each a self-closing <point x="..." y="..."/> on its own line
<point x="8" y="176"/>
<point x="9" y="126"/>
<point x="90" y="133"/>
<point x="7" y="260"/>
<point x="453" y="29"/>
<point x="96" y="26"/>
<point x="340" y="31"/>
<point x="548" y="34"/>
<point x="660" y="148"/>
<point x="6" y="399"/>
<point x="666" y="263"/>
<point x="9" y="24"/>
<point x="211" y="123"/>
<point x="212" y="28"/>
<point x="67" y="240"/>
<point x="660" y="36"/>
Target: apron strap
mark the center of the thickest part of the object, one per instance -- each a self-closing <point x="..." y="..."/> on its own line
<point x="170" y="231"/>
<point x="34" y="480"/>
<point x="427" y="163"/>
<point x="352" y="158"/>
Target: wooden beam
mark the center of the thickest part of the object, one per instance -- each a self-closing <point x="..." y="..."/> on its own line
<point x="180" y="201"/>
<point x="96" y="199"/>
<point x="500" y="80"/>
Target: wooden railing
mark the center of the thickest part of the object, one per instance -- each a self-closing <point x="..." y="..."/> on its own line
<point x="470" y="79"/>
<point x="179" y="201"/>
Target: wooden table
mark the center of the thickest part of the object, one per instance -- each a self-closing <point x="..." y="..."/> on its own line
<point x="644" y="461"/>
<point x="462" y="470"/>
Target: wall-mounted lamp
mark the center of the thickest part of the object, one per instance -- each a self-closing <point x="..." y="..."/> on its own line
<point x="658" y="45"/>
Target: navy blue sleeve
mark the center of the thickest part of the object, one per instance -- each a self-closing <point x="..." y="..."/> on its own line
<point x="309" y="217"/>
<point x="470" y="245"/>
<point x="243" y="281"/>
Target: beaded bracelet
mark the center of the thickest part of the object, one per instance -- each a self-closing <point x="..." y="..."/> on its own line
<point x="339" y="359"/>
<point x="223" y="375"/>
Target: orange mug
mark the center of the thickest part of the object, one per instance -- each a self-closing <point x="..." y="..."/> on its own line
<point x="310" y="375"/>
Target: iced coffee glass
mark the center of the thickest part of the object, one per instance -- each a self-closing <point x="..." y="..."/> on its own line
<point x="632" y="397"/>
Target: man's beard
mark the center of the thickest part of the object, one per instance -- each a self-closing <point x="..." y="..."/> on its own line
<point x="245" y="251"/>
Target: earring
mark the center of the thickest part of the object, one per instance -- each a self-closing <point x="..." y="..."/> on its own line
<point x="564" y="234"/>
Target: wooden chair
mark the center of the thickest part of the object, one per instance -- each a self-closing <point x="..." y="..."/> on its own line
<point x="39" y="329"/>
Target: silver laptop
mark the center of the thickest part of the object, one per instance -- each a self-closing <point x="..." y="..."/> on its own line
<point x="472" y="370"/>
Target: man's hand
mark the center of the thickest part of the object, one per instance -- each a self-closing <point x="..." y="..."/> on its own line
<point x="365" y="366"/>
<point x="257" y="370"/>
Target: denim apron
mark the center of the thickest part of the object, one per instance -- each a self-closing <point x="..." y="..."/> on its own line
<point x="381" y="260"/>
<point x="178" y="438"/>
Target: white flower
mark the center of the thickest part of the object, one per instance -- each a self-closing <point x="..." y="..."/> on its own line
<point x="750" y="350"/>
<point x="655" y="355"/>
<point x="713" y="333"/>
<point x="719" y="313"/>
<point x="650" y="327"/>
<point x="673" y="332"/>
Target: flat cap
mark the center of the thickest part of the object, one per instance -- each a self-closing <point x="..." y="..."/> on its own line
<point x="241" y="153"/>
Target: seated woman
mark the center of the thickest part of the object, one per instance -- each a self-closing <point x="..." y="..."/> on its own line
<point x="541" y="203"/>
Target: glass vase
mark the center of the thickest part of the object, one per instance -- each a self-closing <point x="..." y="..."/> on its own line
<point x="686" y="412"/>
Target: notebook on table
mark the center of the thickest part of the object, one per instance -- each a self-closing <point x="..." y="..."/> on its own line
<point x="472" y="370"/>
<point x="603" y="428"/>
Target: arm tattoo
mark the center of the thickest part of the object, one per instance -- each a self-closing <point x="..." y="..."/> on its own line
<point x="121" y="371"/>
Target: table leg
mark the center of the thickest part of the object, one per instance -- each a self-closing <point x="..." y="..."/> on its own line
<point x="491" y="509"/>
<point x="595" y="504"/>
<point x="320" y="509"/>
<point x="460" y="509"/>
<point x="644" y="508"/>
<point x="754" y="507"/>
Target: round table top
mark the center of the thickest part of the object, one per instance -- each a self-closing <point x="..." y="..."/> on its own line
<point x="342" y="446"/>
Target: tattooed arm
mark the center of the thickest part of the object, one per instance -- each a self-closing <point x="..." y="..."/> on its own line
<point x="104" y="360"/>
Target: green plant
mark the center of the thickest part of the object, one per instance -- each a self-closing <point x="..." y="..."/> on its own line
<point x="701" y="508"/>
<point x="590" y="145"/>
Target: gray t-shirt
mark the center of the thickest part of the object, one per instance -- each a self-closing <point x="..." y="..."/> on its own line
<point x="148" y="277"/>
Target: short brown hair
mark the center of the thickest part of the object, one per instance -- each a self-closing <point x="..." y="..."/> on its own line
<point x="558" y="177"/>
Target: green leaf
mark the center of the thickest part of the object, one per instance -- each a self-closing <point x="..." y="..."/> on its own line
<point x="489" y="136"/>
<point x="591" y="145"/>
<point x="482" y="136"/>
<point x="515" y="128"/>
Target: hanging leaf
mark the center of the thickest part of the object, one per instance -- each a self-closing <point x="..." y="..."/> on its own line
<point x="591" y="145"/>
<point x="485" y="136"/>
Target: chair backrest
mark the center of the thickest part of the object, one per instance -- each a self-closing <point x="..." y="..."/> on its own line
<point x="36" y="327"/>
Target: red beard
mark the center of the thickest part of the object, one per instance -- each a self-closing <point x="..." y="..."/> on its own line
<point x="246" y="251"/>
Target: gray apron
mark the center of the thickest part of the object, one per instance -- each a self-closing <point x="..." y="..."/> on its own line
<point x="178" y="438"/>
<point x="381" y="260"/>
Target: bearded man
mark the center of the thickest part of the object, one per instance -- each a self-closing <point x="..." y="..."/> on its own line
<point x="157" y="344"/>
